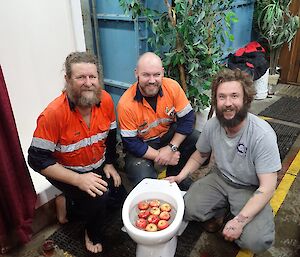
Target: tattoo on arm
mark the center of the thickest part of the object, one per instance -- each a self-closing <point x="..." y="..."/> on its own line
<point x="241" y="218"/>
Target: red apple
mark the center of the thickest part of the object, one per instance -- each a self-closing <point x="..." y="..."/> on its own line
<point x="154" y="203"/>
<point x="141" y="223"/>
<point x="155" y="211"/>
<point x="162" y="224"/>
<point x="165" y="207"/>
<point x="151" y="227"/>
<point x="153" y="219"/>
<point x="143" y="205"/>
<point x="143" y="214"/>
<point x="164" y="215"/>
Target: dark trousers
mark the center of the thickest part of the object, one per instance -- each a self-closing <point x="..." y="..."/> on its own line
<point x="138" y="168"/>
<point x="91" y="210"/>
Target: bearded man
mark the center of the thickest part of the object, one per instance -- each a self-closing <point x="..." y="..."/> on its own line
<point x="244" y="176"/>
<point x="74" y="147"/>
<point x="156" y="122"/>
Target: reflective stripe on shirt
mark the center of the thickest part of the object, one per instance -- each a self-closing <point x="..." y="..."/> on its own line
<point x="88" y="167"/>
<point x="48" y="145"/>
<point x="184" y="111"/>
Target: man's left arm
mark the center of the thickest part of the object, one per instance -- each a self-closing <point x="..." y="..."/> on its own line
<point x="261" y="197"/>
<point x="184" y="127"/>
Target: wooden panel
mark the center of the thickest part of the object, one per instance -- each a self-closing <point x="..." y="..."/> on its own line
<point x="290" y="60"/>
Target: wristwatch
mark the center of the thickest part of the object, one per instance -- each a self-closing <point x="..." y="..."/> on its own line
<point x="174" y="148"/>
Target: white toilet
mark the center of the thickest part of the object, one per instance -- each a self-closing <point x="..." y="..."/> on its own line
<point x="160" y="243"/>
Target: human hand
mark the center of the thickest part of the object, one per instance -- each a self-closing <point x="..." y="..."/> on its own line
<point x="233" y="229"/>
<point x="167" y="157"/>
<point x="92" y="183"/>
<point x="172" y="179"/>
<point x="110" y="171"/>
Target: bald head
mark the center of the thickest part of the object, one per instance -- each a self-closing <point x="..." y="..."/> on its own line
<point x="149" y="73"/>
<point x="149" y="59"/>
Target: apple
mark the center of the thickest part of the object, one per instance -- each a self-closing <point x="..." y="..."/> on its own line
<point x="155" y="211"/>
<point x="153" y="219"/>
<point x="154" y="203"/>
<point x="162" y="224"/>
<point x="143" y="205"/>
<point x="151" y="227"/>
<point x="164" y="215"/>
<point x="141" y="223"/>
<point x="165" y="207"/>
<point x="143" y="214"/>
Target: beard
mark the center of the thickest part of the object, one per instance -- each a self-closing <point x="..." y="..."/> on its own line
<point x="87" y="98"/>
<point x="144" y="88"/>
<point x="236" y="120"/>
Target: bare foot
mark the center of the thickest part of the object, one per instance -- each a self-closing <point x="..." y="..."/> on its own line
<point x="61" y="209"/>
<point x="94" y="248"/>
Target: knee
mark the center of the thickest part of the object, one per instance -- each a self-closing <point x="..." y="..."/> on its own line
<point x="256" y="243"/>
<point x="139" y="169"/>
<point x="192" y="210"/>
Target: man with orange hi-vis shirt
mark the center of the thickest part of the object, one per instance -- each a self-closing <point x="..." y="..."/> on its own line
<point x="156" y="122"/>
<point x="74" y="147"/>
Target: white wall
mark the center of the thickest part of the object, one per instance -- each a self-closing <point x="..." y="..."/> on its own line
<point x="36" y="37"/>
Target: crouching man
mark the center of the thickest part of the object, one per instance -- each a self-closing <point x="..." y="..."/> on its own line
<point x="244" y="176"/>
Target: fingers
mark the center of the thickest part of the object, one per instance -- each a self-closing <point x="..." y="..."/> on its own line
<point x="170" y="179"/>
<point x="107" y="174"/>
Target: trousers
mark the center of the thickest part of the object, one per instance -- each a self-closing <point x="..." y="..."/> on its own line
<point x="138" y="168"/>
<point x="212" y="194"/>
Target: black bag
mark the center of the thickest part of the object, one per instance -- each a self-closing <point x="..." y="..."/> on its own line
<point x="251" y="59"/>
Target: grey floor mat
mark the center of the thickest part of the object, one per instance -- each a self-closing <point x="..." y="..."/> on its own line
<point x="286" y="108"/>
<point x="286" y="136"/>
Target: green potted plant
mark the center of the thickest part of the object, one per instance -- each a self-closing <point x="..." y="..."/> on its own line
<point x="189" y="37"/>
<point x="277" y="26"/>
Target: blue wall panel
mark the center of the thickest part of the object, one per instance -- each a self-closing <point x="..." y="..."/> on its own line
<point x="122" y="40"/>
<point x="243" y="28"/>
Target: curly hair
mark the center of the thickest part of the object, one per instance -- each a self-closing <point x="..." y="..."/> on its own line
<point x="79" y="57"/>
<point x="226" y="75"/>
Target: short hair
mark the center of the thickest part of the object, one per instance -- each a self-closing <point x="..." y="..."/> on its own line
<point x="79" y="57"/>
<point x="226" y="75"/>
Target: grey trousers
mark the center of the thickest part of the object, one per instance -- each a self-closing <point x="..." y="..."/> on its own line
<point x="209" y="196"/>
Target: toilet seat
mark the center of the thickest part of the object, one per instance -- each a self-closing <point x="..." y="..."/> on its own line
<point x="153" y="189"/>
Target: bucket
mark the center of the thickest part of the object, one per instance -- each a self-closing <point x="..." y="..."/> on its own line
<point x="261" y="86"/>
<point x="201" y="118"/>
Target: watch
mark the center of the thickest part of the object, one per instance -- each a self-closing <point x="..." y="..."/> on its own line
<point x="174" y="148"/>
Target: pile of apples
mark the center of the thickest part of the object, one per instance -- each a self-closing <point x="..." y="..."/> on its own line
<point x="153" y="216"/>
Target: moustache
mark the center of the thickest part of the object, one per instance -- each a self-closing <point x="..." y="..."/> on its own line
<point x="228" y="109"/>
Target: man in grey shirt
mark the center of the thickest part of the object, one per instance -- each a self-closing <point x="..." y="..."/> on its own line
<point x="244" y="176"/>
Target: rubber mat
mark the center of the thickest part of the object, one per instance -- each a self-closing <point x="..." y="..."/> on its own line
<point x="286" y="108"/>
<point x="286" y="136"/>
<point x="70" y="238"/>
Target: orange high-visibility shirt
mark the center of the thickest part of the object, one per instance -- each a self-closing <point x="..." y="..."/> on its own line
<point x="138" y="119"/>
<point x="62" y="130"/>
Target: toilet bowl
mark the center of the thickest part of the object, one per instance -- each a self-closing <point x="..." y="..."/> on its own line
<point x="160" y="243"/>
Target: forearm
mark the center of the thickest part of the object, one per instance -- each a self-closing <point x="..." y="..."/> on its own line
<point x="60" y="173"/>
<point x="255" y="204"/>
<point x="177" y="139"/>
<point x="194" y="162"/>
<point x="151" y="153"/>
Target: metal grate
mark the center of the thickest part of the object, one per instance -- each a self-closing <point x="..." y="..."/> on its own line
<point x="286" y="109"/>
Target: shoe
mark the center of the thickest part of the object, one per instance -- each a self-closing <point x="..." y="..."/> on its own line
<point x="213" y="225"/>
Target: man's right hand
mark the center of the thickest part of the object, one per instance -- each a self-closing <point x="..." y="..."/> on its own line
<point x="91" y="183"/>
<point x="167" y="157"/>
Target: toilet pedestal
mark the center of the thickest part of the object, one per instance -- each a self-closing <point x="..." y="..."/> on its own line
<point x="159" y="250"/>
